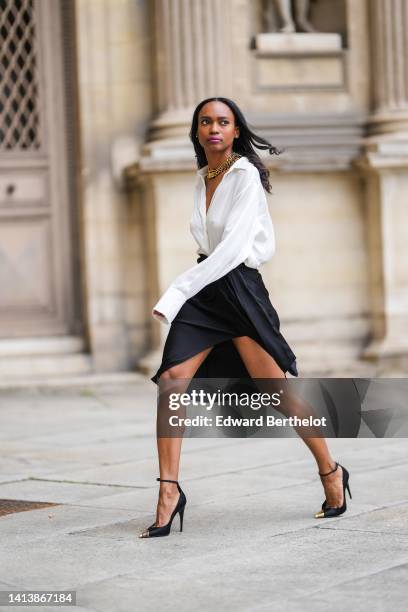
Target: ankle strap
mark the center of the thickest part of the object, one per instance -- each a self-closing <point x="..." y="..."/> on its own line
<point x="331" y="471"/>
<point x="174" y="481"/>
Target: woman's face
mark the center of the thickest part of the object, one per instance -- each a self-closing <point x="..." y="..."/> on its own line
<point x="216" y="127"/>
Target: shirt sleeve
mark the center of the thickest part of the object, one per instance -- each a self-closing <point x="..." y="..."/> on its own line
<point x="233" y="249"/>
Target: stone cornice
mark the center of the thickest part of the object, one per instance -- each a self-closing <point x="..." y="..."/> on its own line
<point x="311" y="143"/>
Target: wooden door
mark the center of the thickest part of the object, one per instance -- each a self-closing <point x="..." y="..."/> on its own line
<point x="37" y="238"/>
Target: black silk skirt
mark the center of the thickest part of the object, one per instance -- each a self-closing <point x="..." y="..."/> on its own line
<point x="237" y="304"/>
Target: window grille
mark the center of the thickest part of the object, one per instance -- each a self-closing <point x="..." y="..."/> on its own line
<point x="19" y="100"/>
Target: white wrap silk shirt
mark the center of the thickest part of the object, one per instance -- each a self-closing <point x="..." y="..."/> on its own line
<point x="237" y="228"/>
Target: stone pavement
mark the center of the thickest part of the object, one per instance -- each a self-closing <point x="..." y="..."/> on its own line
<point x="250" y="541"/>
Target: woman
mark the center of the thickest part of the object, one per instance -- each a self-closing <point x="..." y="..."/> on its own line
<point x="222" y="321"/>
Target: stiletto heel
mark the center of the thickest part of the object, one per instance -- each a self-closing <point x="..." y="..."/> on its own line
<point x="328" y="511"/>
<point x="154" y="531"/>
<point x="181" y="513"/>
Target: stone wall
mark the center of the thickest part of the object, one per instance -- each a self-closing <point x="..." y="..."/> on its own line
<point x="116" y="104"/>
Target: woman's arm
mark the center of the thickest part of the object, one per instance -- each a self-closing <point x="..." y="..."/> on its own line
<point x="232" y="250"/>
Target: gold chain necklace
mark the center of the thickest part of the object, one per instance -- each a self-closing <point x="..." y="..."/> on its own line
<point x="223" y="165"/>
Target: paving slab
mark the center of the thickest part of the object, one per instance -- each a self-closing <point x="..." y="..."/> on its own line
<point x="56" y="492"/>
<point x="60" y="562"/>
<point x="377" y="592"/>
<point x="25" y="527"/>
<point x="212" y="460"/>
<point x="248" y="455"/>
<point x="200" y="491"/>
<point x="392" y="519"/>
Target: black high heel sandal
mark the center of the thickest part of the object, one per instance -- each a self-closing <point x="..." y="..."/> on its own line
<point x="328" y="511"/>
<point x="153" y="531"/>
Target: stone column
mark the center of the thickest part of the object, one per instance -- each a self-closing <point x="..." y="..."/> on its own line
<point x="385" y="166"/>
<point x="192" y="61"/>
<point x="191" y="41"/>
<point x="389" y="44"/>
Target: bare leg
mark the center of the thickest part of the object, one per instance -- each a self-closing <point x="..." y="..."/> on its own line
<point x="169" y="448"/>
<point x="261" y="365"/>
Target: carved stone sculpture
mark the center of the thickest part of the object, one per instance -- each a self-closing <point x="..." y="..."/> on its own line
<point x="293" y="15"/>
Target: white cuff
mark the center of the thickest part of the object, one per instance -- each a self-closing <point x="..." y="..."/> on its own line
<point x="169" y="305"/>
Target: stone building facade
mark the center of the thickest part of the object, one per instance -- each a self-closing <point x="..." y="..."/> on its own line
<point x="97" y="174"/>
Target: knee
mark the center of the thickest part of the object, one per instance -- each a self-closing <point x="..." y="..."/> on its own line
<point x="172" y="373"/>
<point x="241" y="341"/>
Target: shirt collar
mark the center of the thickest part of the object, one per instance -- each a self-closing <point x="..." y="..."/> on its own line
<point x="240" y="163"/>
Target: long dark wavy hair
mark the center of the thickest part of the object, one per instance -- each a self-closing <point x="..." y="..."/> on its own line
<point x="244" y="144"/>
